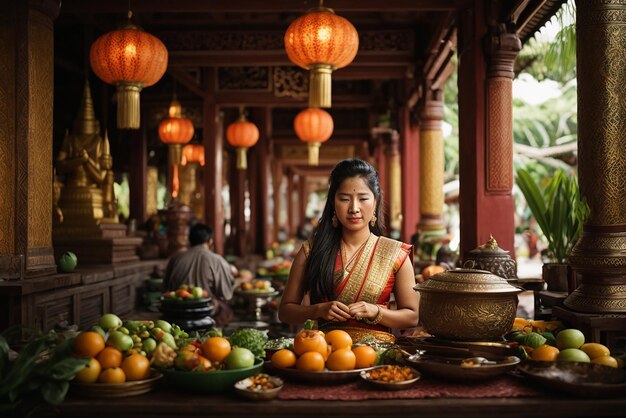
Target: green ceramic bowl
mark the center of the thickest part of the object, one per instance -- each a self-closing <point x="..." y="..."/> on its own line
<point x="209" y="382"/>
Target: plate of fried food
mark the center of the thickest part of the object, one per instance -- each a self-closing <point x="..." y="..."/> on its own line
<point x="391" y="377"/>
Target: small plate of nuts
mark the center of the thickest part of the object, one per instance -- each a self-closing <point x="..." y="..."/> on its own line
<point x="391" y="377"/>
<point x="260" y="387"/>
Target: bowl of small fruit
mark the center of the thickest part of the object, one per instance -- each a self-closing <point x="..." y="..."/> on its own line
<point x="256" y="287"/>
<point x="186" y="296"/>
<point x="211" y="366"/>
<point x="261" y="387"/>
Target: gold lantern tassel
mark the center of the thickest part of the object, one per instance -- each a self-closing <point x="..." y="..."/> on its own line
<point x="175" y="182"/>
<point x="320" y="86"/>
<point x="314" y="152"/>
<point x="174" y="152"/>
<point x="242" y="160"/>
<point x="128" y="105"/>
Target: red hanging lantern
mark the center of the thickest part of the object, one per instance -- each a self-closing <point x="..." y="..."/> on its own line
<point x="131" y="59"/>
<point x="313" y="126"/>
<point x="321" y="41"/>
<point x="175" y="131"/>
<point x="193" y="153"/>
<point x="242" y="134"/>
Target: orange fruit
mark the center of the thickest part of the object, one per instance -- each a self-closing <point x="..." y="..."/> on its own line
<point x="365" y="356"/>
<point x="342" y="359"/>
<point x="216" y="348"/>
<point x="136" y="367"/>
<point x="338" y="338"/>
<point x="310" y="340"/>
<point x="89" y="373"/>
<point x="112" y="375"/>
<point x="310" y="361"/>
<point x="284" y="358"/>
<point x="606" y="361"/>
<point x="88" y="344"/>
<point x="110" y="357"/>
<point x="545" y="353"/>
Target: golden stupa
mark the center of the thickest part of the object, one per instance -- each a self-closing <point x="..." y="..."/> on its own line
<point x="89" y="223"/>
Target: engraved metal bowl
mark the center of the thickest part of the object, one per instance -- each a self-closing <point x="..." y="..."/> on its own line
<point x="467" y="305"/>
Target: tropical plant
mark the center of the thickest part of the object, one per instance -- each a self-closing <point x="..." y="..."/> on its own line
<point x="559" y="210"/>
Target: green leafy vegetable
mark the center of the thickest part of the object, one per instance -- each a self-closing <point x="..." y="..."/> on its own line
<point x="40" y="372"/>
<point x="252" y="339"/>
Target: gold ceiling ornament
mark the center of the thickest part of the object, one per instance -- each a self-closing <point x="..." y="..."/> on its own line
<point x="130" y="59"/>
<point x="321" y="41"/>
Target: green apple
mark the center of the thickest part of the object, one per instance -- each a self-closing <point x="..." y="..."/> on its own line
<point x="573" y="354"/>
<point x="239" y="358"/>
<point x="120" y="341"/>
<point x="570" y="338"/>
<point x="110" y="321"/>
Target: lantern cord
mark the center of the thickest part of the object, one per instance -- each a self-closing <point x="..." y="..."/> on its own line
<point x="130" y="12"/>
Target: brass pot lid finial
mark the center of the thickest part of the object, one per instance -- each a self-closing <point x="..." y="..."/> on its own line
<point x="491" y="247"/>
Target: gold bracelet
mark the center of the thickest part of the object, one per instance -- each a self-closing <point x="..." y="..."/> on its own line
<point x="377" y="319"/>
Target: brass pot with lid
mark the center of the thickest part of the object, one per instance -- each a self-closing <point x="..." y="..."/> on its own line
<point x="489" y="256"/>
<point x="468" y="305"/>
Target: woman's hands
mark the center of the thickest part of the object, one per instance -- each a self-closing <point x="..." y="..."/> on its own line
<point x="363" y="310"/>
<point x="334" y="311"/>
<point x="339" y="312"/>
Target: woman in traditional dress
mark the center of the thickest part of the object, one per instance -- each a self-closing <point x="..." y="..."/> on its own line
<point x="345" y="273"/>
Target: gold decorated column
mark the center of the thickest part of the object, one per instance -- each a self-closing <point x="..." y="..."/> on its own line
<point x="600" y="255"/>
<point x="187" y="176"/>
<point x="394" y="181"/>
<point x="431" y="163"/>
<point x="26" y="88"/>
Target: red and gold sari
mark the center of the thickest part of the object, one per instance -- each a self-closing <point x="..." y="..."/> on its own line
<point x="371" y="280"/>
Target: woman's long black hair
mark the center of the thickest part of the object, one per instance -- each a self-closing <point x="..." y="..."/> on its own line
<point x="325" y="242"/>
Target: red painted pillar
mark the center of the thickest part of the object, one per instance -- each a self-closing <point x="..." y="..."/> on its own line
<point x="410" y="143"/>
<point x="258" y="184"/>
<point x="213" y="141"/>
<point x="485" y="130"/>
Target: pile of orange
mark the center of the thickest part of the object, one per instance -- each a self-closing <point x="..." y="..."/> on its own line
<point x="314" y="351"/>
<point x="108" y="364"/>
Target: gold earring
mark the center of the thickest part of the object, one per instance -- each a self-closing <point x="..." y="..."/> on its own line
<point x="334" y="222"/>
<point x="373" y="221"/>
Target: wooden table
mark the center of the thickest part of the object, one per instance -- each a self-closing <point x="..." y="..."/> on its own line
<point x="166" y="403"/>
